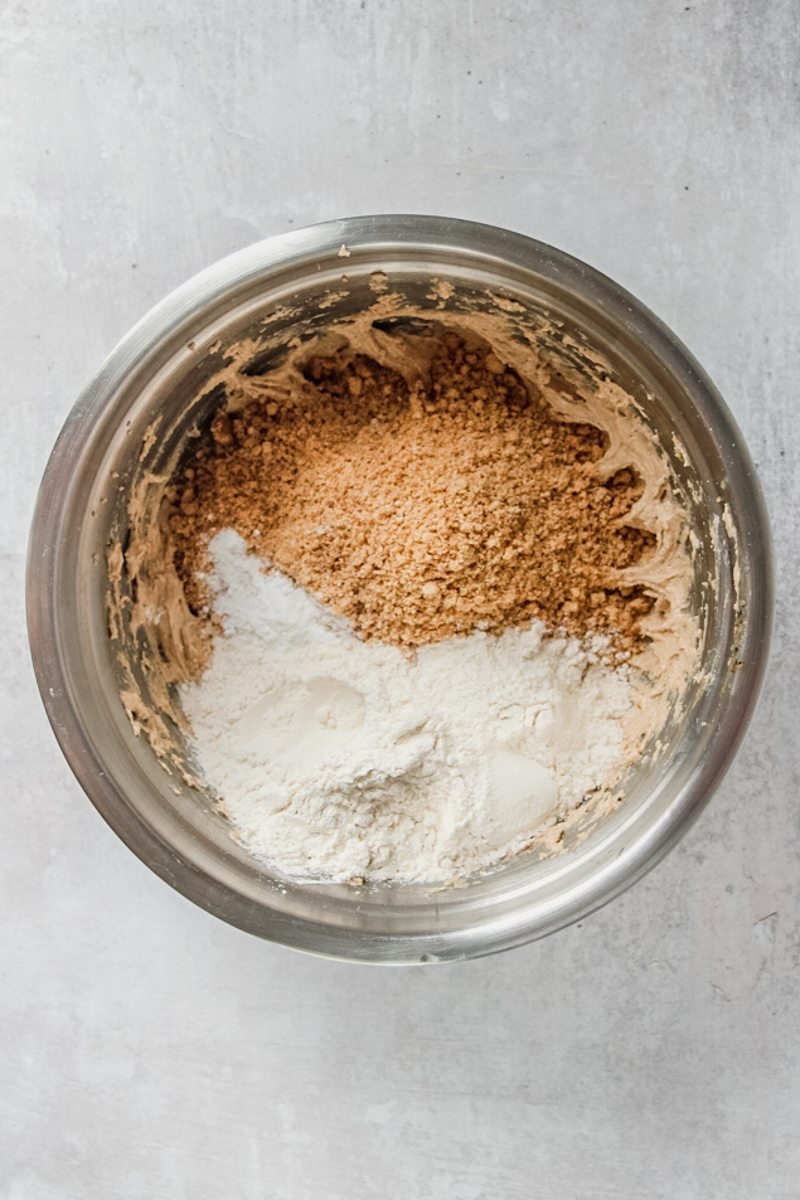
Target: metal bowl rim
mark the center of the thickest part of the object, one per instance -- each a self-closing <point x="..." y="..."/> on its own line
<point x="387" y="234"/>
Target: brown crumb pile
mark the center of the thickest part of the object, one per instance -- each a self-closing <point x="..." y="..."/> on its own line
<point x="419" y="513"/>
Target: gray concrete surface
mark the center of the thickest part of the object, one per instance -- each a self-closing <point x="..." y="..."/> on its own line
<point x="146" y="1050"/>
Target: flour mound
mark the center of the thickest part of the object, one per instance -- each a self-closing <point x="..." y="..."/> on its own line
<point x="340" y="759"/>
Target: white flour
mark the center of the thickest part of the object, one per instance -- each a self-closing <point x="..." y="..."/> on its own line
<point x="337" y="758"/>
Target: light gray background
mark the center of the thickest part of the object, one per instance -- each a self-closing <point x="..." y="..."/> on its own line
<point x="150" y="1051"/>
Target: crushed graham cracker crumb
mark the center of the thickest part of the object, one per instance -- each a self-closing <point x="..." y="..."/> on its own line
<point x="420" y="512"/>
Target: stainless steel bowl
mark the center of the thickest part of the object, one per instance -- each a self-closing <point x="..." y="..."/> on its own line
<point x="149" y="381"/>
